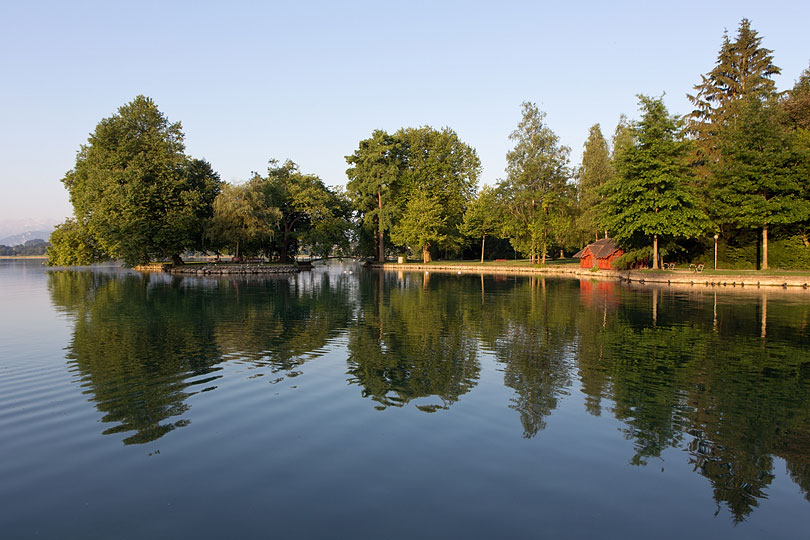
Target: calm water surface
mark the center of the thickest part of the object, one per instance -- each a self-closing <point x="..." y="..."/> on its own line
<point x="347" y="403"/>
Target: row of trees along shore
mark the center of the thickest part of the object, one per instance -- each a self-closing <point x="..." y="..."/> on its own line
<point x="736" y="168"/>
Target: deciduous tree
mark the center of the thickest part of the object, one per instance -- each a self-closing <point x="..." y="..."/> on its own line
<point x="135" y="191"/>
<point x="536" y="185"/>
<point x="484" y="217"/>
<point x="72" y="245"/>
<point x="242" y="216"/>
<point x="440" y="164"/>
<point x="422" y="225"/>
<point x="305" y="205"/>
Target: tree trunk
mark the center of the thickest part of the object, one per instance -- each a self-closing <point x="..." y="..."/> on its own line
<point x="483" y="242"/>
<point x="655" y="252"/>
<point x="376" y="243"/>
<point x="237" y="248"/>
<point x="285" y="242"/>
<point x="176" y="260"/>
<point x="426" y="253"/>
<point x="543" y="254"/>
<point x="765" y="248"/>
<point x="381" y="249"/>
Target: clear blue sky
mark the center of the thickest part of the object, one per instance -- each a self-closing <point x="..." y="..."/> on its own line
<point x="302" y="80"/>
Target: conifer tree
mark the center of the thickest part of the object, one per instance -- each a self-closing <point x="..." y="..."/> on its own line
<point x="797" y="102"/>
<point x="651" y="198"/>
<point x="744" y="68"/>
<point x="761" y="177"/>
<point x="596" y="170"/>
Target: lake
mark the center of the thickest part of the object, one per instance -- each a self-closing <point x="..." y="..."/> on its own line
<point x="350" y="403"/>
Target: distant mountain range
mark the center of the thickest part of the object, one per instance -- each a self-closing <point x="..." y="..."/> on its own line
<point x="14" y="232"/>
<point x="17" y="239"/>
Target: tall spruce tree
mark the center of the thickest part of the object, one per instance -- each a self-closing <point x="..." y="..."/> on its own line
<point x="651" y="198"/>
<point x="761" y="177"/>
<point x="596" y="170"/>
<point x="797" y="102"/>
<point x="744" y="68"/>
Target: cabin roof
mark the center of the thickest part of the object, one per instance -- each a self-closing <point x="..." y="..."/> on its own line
<point x="600" y="249"/>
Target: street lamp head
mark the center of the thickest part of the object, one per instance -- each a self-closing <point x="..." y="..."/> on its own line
<point x="716" y="236"/>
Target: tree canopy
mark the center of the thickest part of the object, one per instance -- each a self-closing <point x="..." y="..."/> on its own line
<point x="743" y="68"/>
<point x="535" y="192"/>
<point x="135" y="192"/>
<point x="374" y="183"/>
<point x="652" y="198"/>
<point x="596" y="170"/>
<point x="761" y="177"/>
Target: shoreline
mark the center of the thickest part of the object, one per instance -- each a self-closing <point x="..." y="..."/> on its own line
<point x="673" y="277"/>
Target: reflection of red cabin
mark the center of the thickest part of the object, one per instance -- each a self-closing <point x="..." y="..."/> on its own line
<point x="601" y="253"/>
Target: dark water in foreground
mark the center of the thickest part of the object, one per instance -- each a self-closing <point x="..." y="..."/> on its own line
<point x="370" y="405"/>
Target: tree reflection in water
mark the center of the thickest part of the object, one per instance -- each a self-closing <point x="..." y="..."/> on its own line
<point x="723" y="378"/>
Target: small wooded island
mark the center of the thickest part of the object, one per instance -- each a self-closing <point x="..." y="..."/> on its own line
<point x="726" y="184"/>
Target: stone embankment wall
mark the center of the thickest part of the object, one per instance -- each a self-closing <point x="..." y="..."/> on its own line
<point x="730" y="281"/>
<point x="227" y="269"/>
<point x="694" y="279"/>
<point x="473" y="269"/>
<point x="153" y="267"/>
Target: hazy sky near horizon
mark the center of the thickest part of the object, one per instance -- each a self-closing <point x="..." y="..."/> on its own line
<point x="251" y="81"/>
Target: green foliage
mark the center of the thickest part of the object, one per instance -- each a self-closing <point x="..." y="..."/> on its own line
<point x="623" y="138"/>
<point x="243" y="218"/>
<point x="797" y="102"/>
<point x="279" y="214"/>
<point x="652" y="194"/>
<point x="422" y="225"/>
<point x="311" y="214"/>
<point x="789" y="254"/>
<point x="536" y="195"/>
<point x="440" y="164"/>
<point x="596" y="170"/>
<point x="135" y="191"/>
<point x="484" y="217"/>
<point x="330" y="231"/>
<point x="743" y="69"/>
<point x="34" y="247"/>
<point x="635" y="258"/>
<point x="389" y="171"/>
<point x="71" y="245"/>
<point x="374" y="183"/>
<point x="760" y="179"/>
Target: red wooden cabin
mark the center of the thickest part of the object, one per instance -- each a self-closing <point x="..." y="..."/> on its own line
<point x="601" y="253"/>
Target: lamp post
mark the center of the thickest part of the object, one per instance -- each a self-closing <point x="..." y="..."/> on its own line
<point x="716" y="236"/>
